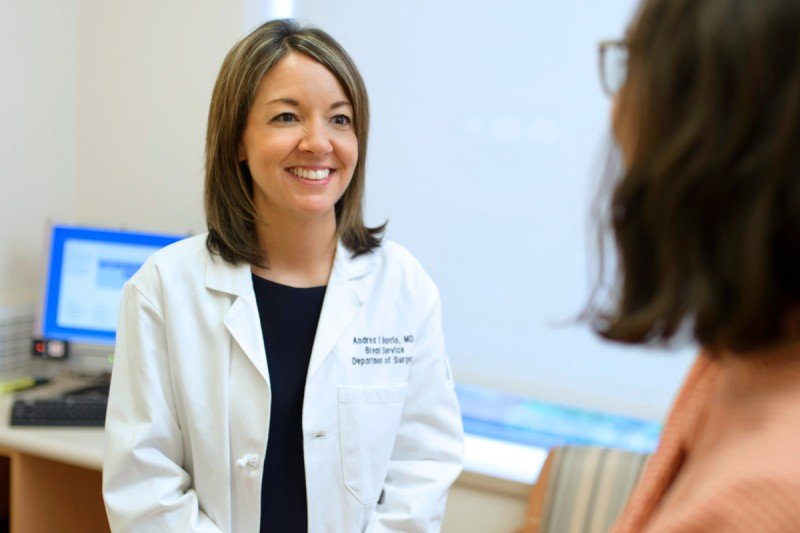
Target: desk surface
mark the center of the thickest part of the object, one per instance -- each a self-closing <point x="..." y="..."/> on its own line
<point x="495" y="461"/>
<point x="76" y="446"/>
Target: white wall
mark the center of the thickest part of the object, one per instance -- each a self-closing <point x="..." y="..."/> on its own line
<point x="489" y="135"/>
<point x="103" y="109"/>
<point x="38" y="54"/>
<point x="145" y="77"/>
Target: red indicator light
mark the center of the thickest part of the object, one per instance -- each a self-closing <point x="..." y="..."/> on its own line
<point x="40" y="347"/>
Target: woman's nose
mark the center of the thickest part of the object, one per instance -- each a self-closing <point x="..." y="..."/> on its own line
<point x="316" y="139"/>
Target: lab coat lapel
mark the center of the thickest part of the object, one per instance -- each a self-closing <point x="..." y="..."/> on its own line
<point x="344" y="297"/>
<point x="241" y="319"/>
<point x="243" y="323"/>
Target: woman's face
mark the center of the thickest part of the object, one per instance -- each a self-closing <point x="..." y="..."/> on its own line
<point x="299" y="141"/>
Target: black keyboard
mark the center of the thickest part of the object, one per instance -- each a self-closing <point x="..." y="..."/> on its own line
<point x="68" y="410"/>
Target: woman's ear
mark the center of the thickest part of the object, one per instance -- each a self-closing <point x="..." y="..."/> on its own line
<point x="240" y="153"/>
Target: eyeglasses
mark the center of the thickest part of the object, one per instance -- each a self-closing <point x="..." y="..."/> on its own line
<point x="613" y="63"/>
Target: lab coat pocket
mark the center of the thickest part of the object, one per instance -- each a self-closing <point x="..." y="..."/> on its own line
<point x="369" y="418"/>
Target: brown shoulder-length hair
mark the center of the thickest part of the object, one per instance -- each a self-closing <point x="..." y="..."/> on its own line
<point x="706" y="215"/>
<point x="231" y="216"/>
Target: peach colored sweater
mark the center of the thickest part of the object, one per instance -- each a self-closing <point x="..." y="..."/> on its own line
<point x="729" y="456"/>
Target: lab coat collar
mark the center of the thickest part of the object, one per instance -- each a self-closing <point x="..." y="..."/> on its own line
<point x="235" y="278"/>
<point x="226" y="277"/>
<point x="343" y="299"/>
<point x="352" y="268"/>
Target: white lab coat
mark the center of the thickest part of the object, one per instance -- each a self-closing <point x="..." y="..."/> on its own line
<point x="188" y="415"/>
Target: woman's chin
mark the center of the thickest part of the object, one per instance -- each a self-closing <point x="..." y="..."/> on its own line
<point x="314" y="211"/>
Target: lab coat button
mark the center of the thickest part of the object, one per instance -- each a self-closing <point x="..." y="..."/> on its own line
<point x="247" y="461"/>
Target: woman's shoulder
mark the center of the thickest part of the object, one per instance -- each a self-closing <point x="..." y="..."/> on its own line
<point x="752" y="494"/>
<point x="396" y="260"/>
<point x="188" y="246"/>
<point x="746" y="481"/>
<point x="754" y="472"/>
<point x="397" y="254"/>
<point x="181" y="253"/>
<point x="184" y="259"/>
<point x="765" y="443"/>
<point x="396" y="271"/>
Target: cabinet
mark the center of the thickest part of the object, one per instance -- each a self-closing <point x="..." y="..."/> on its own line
<point x="50" y="478"/>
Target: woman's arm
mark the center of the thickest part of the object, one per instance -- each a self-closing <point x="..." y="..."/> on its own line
<point x="144" y="485"/>
<point x="428" y="452"/>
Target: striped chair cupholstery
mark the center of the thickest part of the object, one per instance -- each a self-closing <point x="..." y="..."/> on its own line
<point x="582" y="489"/>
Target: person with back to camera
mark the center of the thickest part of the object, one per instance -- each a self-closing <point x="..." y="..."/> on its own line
<point x="706" y="221"/>
<point x="285" y="372"/>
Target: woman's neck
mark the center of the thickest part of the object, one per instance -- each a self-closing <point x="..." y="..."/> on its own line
<point x="300" y="253"/>
<point x="765" y="369"/>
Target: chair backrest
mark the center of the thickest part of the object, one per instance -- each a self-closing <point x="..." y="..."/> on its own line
<point x="582" y="489"/>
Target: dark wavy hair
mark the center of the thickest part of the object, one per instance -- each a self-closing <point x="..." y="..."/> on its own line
<point x="706" y="215"/>
<point x="231" y="216"/>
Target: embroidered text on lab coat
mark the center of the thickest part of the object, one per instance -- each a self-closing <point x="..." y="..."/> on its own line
<point x="382" y="350"/>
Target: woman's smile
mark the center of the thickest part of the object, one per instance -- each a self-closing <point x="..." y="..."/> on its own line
<point x="312" y="176"/>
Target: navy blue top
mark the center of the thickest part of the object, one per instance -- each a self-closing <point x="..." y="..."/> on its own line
<point x="289" y="318"/>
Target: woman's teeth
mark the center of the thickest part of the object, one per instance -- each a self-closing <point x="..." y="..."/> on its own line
<point x="310" y="174"/>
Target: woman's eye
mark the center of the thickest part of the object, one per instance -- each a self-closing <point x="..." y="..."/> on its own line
<point x="284" y="117"/>
<point x="342" y="120"/>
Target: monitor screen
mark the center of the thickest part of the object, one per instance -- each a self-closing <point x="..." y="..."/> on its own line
<point x="86" y="270"/>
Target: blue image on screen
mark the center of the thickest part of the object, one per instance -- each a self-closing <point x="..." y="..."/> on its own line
<point x="114" y="274"/>
<point x="111" y="274"/>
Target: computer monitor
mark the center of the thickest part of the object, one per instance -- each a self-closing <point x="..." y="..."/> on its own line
<point x="85" y="271"/>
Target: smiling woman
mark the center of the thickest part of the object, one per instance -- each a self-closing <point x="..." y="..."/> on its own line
<point x="287" y="370"/>
<point x="251" y="101"/>
<point x="299" y="143"/>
